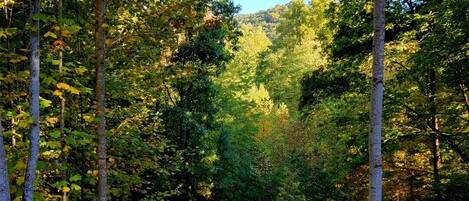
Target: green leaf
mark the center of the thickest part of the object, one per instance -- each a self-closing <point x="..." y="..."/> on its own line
<point x="73" y="28"/>
<point x="20" y="165"/>
<point x="80" y="70"/>
<point x="73" y="90"/>
<point x="54" y="144"/>
<point x="44" y="103"/>
<point x="55" y="62"/>
<point x="60" y="184"/>
<point x="70" y="140"/>
<point x="75" y="178"/>
<point x="75" y="187"/>
<point x="40" y="16"/>
<point x="11" y="31"/>
<point x="41" y="165"/>
<point x="55" y="134"/>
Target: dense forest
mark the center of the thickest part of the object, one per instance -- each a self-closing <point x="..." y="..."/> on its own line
<point x="188" y="100"/>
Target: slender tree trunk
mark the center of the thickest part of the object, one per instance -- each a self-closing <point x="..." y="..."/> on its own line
<point x="462" y="87"/>
<point x="4" y="185"/>
<point x="63" y="158"/>
<point x="100" y="37"/>
<point x="82" y="167"/>
<point x="8" y="16"/>
<point x="62" y="99"/>
<point x="34" y="106"/>
<point x="376" y="169"/>
<point x="435" y="136"/>
<point x="411" y="187"/>
<point x="13" y="132"/>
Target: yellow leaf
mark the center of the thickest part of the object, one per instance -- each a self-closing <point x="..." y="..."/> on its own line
<point x="73" y="90"/>
<point x="68" y="88"/>
<point x="66" y="189"/>
<point x="20" y="165"/>
<point x="3" y="34"/>
<point x="80" y="70"/>
<point x="75" y="187"/>
<point x="67" y="148"/>
<point x="88" y="118"/>
<point x="58" y="93"/>
<point x="50" y="34"/>
<point x="20" y="180"/>
<point x="62" y="85"/>
<point x="66" y="34"/>
<point x="52" y="120"/>
<point x="23" y="58"/>
<point x="15" y="60"/>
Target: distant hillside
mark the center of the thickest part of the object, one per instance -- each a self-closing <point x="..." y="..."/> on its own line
<point x="268" y="19"/>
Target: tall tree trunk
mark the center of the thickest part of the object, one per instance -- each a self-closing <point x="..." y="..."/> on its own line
<point x="63" y="158"/>
<point x="4" y="185"/>
<point x="100" y="37"/>
<point x="435" y="136"/>
<point x="376" y="169"/>
<point x="61" y="79"/>
<point x="34" y="106"/>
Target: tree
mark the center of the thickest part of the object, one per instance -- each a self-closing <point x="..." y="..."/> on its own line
<point x="376" y="168"/>
<point x="4" y="180"/>
<point x="197" y="113"/>
<point x="100" y="37"/>
<point x="296" y="50"/>
<point x="34" y="104"/>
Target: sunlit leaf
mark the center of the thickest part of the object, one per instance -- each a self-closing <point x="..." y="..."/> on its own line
<point x="44" y="103"/>
<point x="50" y="34"/>
<point x="66" y="189"/>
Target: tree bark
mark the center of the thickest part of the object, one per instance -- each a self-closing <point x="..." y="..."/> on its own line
<point x="435" y="136"/>
<point x="4" y="185"/>
<point x="462" y="87"/>
<point x="411" y="187"/>
<point x="100" y="37"/>
<point x="13" y="132"/>
<point x="63" y="158"/>
<point x="34" y="106"/>
<point x="62" y="99"/>
<point x="376" y="169"/>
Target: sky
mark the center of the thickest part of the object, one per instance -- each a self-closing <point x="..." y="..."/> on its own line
<point x="252" y="6"/>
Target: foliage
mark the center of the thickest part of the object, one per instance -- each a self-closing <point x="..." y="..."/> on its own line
<point x="204" y="104"/>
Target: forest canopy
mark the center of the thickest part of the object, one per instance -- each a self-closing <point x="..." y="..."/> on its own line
<point x="188" y="100"/>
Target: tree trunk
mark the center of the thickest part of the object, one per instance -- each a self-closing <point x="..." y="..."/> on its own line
<point x="435" y="136"/>
<point x="4" y="185"/>
<point x="61" y="79"/>
<point x="34" y="106"/>
<point x="100" y="37"/>
<point x="411" y="187"/>
<point x="63" y="158"/>
<point x="462" y="87"/>
<point x="13" y="132"/>
<point x="376" y="169"/>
